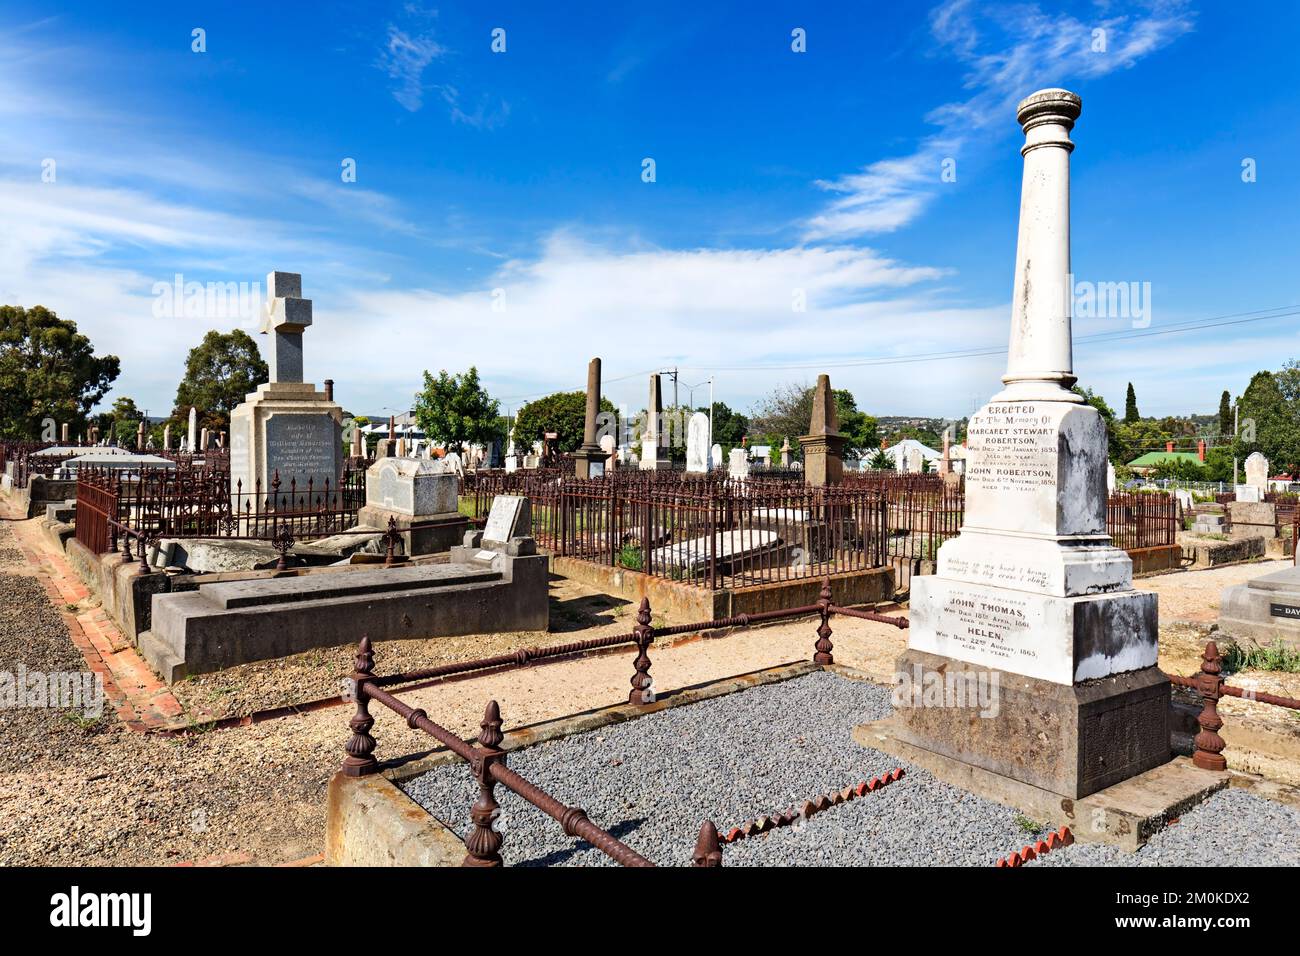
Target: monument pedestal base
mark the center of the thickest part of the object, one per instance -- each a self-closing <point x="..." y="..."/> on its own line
<point x="1125" y="815"/>
<point x="589" y="462"/>
<point x="432" y="534"/>
<point x="1069" y="739"/>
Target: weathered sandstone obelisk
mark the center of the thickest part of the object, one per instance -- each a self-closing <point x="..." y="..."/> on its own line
<point x="1032" y="597"/>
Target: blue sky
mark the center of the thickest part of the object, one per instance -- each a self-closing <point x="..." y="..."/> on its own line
<point x="775" y="172"/>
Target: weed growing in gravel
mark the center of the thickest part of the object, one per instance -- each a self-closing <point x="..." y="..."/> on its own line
<point x="1026" y="825"/>
<point x="1276" y="657"/>
<point x="84" y="722"/>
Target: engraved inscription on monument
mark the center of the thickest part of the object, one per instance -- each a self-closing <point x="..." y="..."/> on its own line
<point x="303" y="446"/>
<point x="1011" y="448"/>
<point x="988" y="627"/>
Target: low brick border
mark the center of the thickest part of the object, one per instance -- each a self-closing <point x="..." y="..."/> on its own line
<point x="141" y="700"/>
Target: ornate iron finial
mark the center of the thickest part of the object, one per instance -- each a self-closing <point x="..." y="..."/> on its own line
<point x="490" y="735"/>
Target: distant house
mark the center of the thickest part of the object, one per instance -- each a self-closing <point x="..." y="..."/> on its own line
<point x="903" y="450"/>
<point x="1146" y="464"/>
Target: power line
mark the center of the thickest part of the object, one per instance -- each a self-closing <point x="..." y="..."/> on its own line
<point x="1212" y="322"/>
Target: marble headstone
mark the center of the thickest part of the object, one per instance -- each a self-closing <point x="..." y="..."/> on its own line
<point x="698" y="451"/>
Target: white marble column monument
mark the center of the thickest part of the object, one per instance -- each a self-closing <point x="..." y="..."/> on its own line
<point x="1032" y="594"/>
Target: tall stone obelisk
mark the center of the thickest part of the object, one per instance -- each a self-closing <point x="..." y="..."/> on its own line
<point x="589" y="459"/>
<point x="653" y="443"/>
<point x="1032" y="598"/>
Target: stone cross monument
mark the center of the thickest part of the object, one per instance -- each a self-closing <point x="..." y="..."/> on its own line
<point x="286" y="427"/>
<point x="589" y="459"/>
<point x="653" y="444"/>
<point x="1032" y="597"/>
<point x="823" y="446"/>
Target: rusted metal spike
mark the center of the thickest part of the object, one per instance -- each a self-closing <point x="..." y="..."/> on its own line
<point x="708" y="852"/>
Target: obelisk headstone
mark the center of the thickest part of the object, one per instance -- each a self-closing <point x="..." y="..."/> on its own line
<point x="1032" y="598"/>
<point x="823" y="446"/>
<point x="654" y="446"/>
<point x="192" y="435"/>
<point x="589" y="459"/>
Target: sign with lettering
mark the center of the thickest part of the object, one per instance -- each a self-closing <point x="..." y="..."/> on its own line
<point x="1285" y="610"/>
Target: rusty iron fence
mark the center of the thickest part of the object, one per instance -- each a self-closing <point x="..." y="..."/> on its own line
<point x="200" y="503"/>
<point x="712" y="531"/>
<point x="487" y="760"/>
<point x="1143" y="520"/>
<point x="1211" y="686"/>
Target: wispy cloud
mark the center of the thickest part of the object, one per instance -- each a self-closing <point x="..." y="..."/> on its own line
<point x="1009" y="51"/>
<point x="405" y="57"/>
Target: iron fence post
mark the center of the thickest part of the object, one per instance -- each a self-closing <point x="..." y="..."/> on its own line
<point x="641" y="680"/>
<point x="1209" y="683"/>
<point x="823" y="646"/>
<point x="483" y="842"/>
<point x="360" y="760"/>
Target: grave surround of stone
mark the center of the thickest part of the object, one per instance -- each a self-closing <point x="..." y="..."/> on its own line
<point x="1032" y="587"/>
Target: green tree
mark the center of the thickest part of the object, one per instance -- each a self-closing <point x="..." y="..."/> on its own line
<point x="729" y="426"/>
<point x="1115" y="447"/>
<point x="47" y="370"/>
<point x="1268" y="424"/>
<point x="787" y="413"/>
<point x="456" y="409"/>
<point x="1131" y="405"/>
<point x="124" y="419"/>
<point x="564" y="413"/>
<point x="219" y="372"/>
<point x="1225" y="415"/>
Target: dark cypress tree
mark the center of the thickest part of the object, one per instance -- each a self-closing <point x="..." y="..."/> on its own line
<point x="1225" y="415"/>
<point x="1131" y="405"/>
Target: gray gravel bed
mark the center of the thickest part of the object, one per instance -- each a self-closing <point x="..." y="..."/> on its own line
<point x="653" y="780"/>
<point x="1247" y="830"/>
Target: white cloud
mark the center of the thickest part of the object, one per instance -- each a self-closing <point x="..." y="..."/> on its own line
<point x="1009" y="52"/>
<point x="404" y="59"/>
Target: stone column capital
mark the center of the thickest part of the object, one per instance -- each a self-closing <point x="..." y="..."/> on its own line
<point x="1047" y="118"/>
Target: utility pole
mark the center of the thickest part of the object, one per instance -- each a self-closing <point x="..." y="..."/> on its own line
<point x="1236" y="427"/>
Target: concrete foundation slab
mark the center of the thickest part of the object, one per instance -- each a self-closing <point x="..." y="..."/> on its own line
<point x="1125" y="815"/>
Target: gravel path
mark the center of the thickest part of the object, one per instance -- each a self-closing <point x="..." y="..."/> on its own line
<point x="652" y="781"/>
